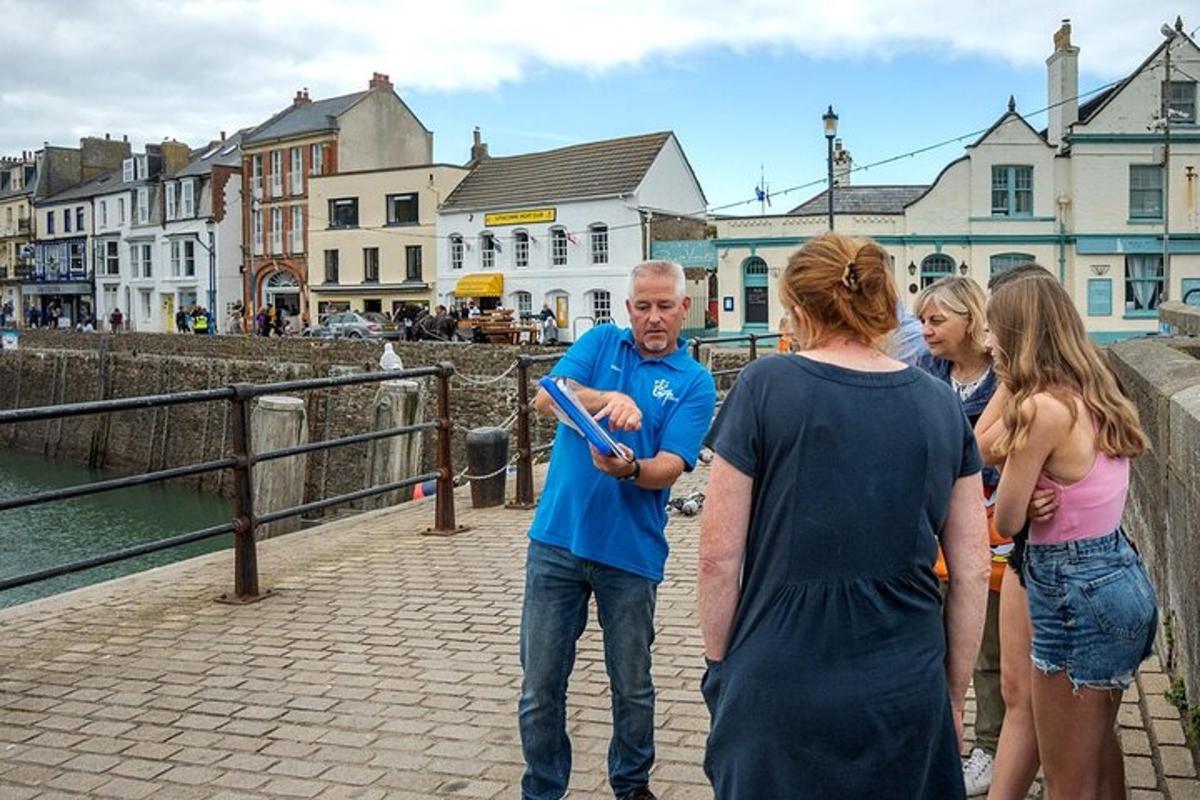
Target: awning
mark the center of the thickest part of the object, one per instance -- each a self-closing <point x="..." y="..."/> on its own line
<point x="479" y="285"/>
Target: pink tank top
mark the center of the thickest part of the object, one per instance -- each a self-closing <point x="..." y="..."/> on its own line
<point x="1088" y="508"/>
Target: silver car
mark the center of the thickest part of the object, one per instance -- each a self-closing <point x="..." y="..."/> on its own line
<point x="346" y="325"/>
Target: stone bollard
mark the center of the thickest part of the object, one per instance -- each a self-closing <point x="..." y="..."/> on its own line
<point x="277" y="422"/>
<point x="396" y="404"/>
<point x="487" y="453"/>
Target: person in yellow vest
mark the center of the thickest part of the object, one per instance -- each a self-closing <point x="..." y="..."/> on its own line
<point x="200" y="321"/>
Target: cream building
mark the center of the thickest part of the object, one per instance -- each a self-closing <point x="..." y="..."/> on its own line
<point x="372" y="237"/>
<point x="1085" y="198"/>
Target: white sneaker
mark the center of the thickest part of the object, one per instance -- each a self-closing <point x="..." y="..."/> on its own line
<point x="977" y="772"/>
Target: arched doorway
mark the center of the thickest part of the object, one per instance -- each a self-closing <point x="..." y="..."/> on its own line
<point x="755" y="300"/>
<point x="282" y="290"/>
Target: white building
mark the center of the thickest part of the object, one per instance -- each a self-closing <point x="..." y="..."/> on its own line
<point x="1085" y="198"/>
<point x="561" y="227"/>
<point x="155" y="220"/>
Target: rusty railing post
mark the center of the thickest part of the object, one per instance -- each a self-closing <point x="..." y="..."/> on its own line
<point x="524" y="498"/>
<point x="245" y="549"/>
<point x="753" y="346"/>
<point x="443" y="522"/>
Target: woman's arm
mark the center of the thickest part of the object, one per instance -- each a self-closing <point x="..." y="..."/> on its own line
<point x="1051" y="422"/>
<point x="723" y="530"/>
<point x="990" y="425"/>
<point x="968" y="561"/>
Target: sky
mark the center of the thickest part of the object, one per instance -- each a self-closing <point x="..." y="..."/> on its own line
<point x="742" y="84"/>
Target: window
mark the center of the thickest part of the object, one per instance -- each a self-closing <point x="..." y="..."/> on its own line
<point x="297" y="171"/>
<point x="1145" y="191"/>
<point x="187" y="203"/>
<point x="317" y="160"/>
<point x="412" y="262"/>
<point x="935" y="267"/>
<point x="276" y="173"/>
<point x="175" y="258"/>
<point x="331" y="266"/>
<point x="1003" y="262"/>
<point x="524" y="303"/>
<point x="256" y="218"/>
<point x="558" y="247"/>
<point x="487" y="250"/>
<point x="601" y="306"/>
<point x="144" y="304"/>
<point x="50" y="222"/>
<point x="66" y="220"/>
<point x="120" y="210"/>
<point x="1181" y="104"/>
<point x="143" y="205"/>
<point x="297" y="229"/>
<point x="370" y="265"/>
<point x="277" y="230"/>
<point x="76" y="256"/>
<point x="103" y="214"/>
<point x="110" y="298"/>
<point x="402" y="209"/>
<point x="79" y="219"/>
<point x="1012" y="191"/>
<point x="343" y="212"/>
<point x="112" y="258"/>
<point x="256" y="167"/>
<point x="186" y="299"/>
<point x="142" y="167"/>
<point x="169" y="193"/>
<point x="521" y="249"/>
<point x="1143" y="283"/>
<point x="599" y="239"/>
<point x="456" y="251"/>
<point x="139" y="257"/>
<point x="127" y="170"/>
<point x="189" y="258"/>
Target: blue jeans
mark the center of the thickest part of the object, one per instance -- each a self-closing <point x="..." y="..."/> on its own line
<point x="557" y="587"/>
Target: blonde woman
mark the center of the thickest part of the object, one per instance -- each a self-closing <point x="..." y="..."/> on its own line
<point x="1061" y="423"/>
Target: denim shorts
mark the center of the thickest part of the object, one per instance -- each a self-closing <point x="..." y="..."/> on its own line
<point x="1093" y="610"/>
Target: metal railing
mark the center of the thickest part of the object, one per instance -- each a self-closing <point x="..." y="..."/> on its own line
<point x="752" y="338"/>
<point x="525" y="449"/>
<point x="241" y="461"/>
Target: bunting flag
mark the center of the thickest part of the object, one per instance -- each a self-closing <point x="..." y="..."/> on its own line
<point x="571" y="238"/>
<point x="762" y="193"/>
<point x="496" y="244"/>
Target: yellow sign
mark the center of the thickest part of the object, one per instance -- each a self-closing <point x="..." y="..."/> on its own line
<point x="498" y="218"/>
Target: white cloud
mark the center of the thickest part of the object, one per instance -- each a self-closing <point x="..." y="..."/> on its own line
<point x="186" y="69"/>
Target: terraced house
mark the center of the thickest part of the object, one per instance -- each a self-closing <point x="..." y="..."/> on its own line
<point x="18" y="178"/>
<point x="366" y="130"/>
<point x="1093" y="197"/>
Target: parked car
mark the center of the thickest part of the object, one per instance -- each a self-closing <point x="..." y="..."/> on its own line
<point x="388" y="328"/>
<point x="348" y="325"/>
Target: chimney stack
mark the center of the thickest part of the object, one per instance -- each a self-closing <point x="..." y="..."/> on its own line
<point x="380" y="81"/>
<point x="1062" y="74"/>
<point x="174" y="156"/>
<point x="479" y="149"/>
<point x="843" y="164"/>
<point x="301" y="98"/>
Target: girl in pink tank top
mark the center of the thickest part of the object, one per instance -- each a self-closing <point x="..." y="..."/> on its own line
<point x="1091" y="604"/>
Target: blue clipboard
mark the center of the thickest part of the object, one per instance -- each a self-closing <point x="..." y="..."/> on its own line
<point x="572" y="412"/>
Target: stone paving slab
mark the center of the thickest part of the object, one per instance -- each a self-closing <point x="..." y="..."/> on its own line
<point x="384" y="666"/>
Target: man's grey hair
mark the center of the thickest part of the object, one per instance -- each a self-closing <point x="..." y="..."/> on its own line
<point x="660" y="268"/>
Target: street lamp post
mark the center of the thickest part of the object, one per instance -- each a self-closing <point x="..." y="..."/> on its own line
<point x="831" y="122"/>
<point x="211" y="249"/>
<point x="1170" y="34"/>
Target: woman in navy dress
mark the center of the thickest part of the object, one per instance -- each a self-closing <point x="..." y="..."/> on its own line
<point x="837" y="472"/>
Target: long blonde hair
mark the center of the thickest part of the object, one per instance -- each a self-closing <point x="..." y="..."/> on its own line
<point x="1042" y="347"/>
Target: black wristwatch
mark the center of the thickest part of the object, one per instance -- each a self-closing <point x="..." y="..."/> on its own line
<point x="633" y="476"/>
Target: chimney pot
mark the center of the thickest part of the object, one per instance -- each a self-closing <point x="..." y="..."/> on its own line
<point x="222" y="136"/>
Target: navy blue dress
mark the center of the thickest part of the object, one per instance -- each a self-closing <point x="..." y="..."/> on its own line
<point x="834" y="684"/>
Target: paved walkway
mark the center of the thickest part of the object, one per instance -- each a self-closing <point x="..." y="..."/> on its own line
<point x="384" y="667"/>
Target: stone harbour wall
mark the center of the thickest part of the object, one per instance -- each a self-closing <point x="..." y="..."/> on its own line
<point x="52" y="367"/>
<point x="1162" y="516"/>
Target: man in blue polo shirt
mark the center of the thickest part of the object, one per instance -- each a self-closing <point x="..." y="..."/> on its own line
<point x="599" y="528"/>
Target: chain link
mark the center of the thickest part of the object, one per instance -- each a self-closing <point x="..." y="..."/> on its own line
<point x="467" y="379"/>
<point x="464" y="476"/>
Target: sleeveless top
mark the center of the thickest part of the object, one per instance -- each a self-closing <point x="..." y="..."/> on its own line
<point x="1087" y="508"/>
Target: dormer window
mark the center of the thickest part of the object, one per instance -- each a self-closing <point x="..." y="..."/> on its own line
<point x="169" y="194"/>
<point x="127" y="174"/>
<point x="187" y="201"/>
<point x="1012" y="191"/>
<point x="1182" y="102"/>
<point x="143" y="170"/>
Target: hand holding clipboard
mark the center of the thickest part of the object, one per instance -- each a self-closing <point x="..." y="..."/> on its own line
<point x="572" y="412"/>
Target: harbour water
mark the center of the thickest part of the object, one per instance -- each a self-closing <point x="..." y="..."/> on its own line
<point x="44" y="536"/>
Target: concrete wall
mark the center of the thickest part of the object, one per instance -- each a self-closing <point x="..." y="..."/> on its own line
<point x="381" y="131"/>
<point x="1162" y="376"/>
<point x="53" y="367"/>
